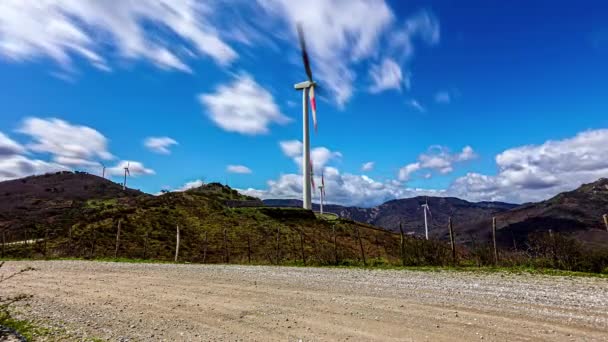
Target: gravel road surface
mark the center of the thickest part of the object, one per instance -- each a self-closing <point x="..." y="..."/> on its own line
<point x="169" y="302"/>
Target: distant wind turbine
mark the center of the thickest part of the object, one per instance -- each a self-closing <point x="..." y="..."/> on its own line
<point x="103" y="170"/>
<point x="425" y="208"/>
<point x="322" y="191"/>
<point x="127" y="172"/>
<point x="308" y="93"/>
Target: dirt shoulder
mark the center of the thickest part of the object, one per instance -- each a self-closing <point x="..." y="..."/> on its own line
<point x="154" y="302"/>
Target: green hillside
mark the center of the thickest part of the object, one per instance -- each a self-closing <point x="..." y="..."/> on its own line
<point x="210" y="231"/>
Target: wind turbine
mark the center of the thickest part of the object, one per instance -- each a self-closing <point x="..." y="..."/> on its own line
<point x="103" y="170"/>
<point x="308" y="92"/>
<point x="124" y="184"/>
<point x="322" y="191"/>
<point x="425" y="208"/>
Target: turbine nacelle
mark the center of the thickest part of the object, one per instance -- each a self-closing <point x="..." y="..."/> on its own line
<point x="304" y="85"/>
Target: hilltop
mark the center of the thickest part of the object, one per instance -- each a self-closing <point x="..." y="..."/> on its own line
<point x="51" y="197"/>
<point x="577" y="213"/>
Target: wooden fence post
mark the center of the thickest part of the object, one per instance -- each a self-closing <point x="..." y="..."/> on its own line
<point x="494" y="240"/>
<point x="46" y="238"/>
<point x="177" y="243"/>
<point x="302" y="247"/>
<point x="606" y="220"/>
<point x="226" y="255"/>
<point x="333" y="228"/>
<point x="146" y="244"/>
<point x="205" y="248"/>
<point x="69" y="239"/>
<point x="117" y="238"/>
<point x="452" y="240"/>
<point x="278" y="244"/>
<point x="3" y="240"/>
<point x="361" y="246"/>
<point x="249" y="248"/>
<point x="402" y="244"/>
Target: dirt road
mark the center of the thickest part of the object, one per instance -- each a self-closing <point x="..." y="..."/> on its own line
<point x="151" y="302"/>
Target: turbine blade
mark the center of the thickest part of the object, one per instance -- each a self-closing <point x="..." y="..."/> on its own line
<point x="305" y="58"/>
<point x="313" y="106"/>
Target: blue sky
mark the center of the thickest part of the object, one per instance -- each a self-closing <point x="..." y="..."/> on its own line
<point x="483" y="100"/>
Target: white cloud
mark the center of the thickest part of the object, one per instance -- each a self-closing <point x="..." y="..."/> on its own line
<point x="190" y="185"/>
<point x="241" y="169"/>
<point x="340" y="33"/>
<point x="242" y="106"/>
<point x="320" y="156"/>
<point x="135" y="169"/>
<point x="291" y="148"/>
<point x="413" y="103"/>
<point x="443" y="97"/>
<point x="438" y="159"/>
<point x="406" y="171"/>
<point x="422" y="25"/>
<point x="9" y="147"/>
<point x="345" y="189"/>
<point x="159" y="144"/>
<point x="17" y="166"/>
<point x="367" y="166"/>
<point x="70" y="145"/>
<point x="386" y="75"/>
<point x="62" y="29"/>
<point x="535" y="172"/>
<point x="526" y="173"/>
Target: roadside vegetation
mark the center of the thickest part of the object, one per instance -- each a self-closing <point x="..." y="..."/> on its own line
<point x="212" y="229"/>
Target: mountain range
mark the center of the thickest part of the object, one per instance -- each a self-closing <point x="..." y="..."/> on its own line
<point x="75" y="197"/>
<point x="578" y="212"/>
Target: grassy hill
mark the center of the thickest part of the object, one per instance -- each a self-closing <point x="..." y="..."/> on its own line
<point x="210" y="230"/>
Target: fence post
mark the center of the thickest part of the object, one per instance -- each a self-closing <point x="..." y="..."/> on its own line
<point x="402" y="244"/>
<point x="146" y="244"/>
<point x="69" y="239"/>
<point x="226" y="255"/>
<point x="177" y="243"/>
<point x="3" y="240"/>
<point x="494" y="240"/>
<point x="117" y="238"/>
<point x="333" y="229"/>
<point x="205" y="248"/>
<point x="302" y="247"/>
<point x="278" y="244"/>
<point x="606" y="221"/>
<point x="361" y="246"/>
<point x="452" y="238"/>
<point x="249" y="248"/>
<point x="46" y="238"/>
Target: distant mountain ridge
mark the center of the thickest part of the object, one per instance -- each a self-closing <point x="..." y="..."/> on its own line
<point x="408" y="212"/>
<point x="577" y="212"/>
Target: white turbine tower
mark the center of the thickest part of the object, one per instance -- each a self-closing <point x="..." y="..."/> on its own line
<point x="103" y="170"/>
<point x="127" y="172"/>
<point x="308" y="92"/>
<point x="322" y="192"/>
<point x="425" y="208"/>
